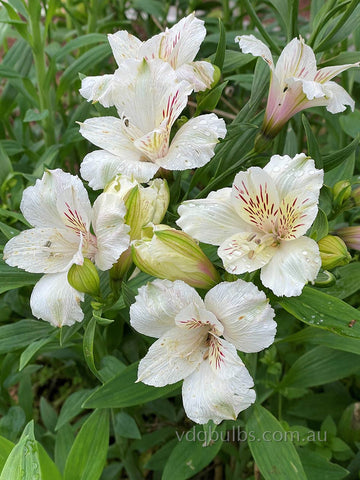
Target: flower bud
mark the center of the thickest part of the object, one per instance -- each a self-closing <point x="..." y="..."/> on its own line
<point x="172" y="254"/>
<point x="355" y="196"/>
<point x="143" y="204"/>
<point x="216" y="76"/>
<point x="85" y="278"/>
<point x="351" y="236"/>
<point x="341" y="192"/>
<point x="333" y="252"/>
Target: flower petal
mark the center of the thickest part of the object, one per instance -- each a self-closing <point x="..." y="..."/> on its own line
<point x="100" y="167"/>
<point x="296" y="60"/>
<point x="250" y="44"/>
<point x="98" y="89"/>
<point x="297" y="211"/>
<point x="174" y="356"/>
<point x="44" y="250"/>
<point x="110" y="230"/>
<point x="294" y="264"/>
<point x="255" y="198"/>
<point x="177" y="45"/>
<point x="246" y="252"/>
<point x="157" y="304"/>
<point x="195" y="316"/>
<point x="245" y="313"/>
<point x="337" y="98"/>
<point x="291" y="174"/>
<point x="194" y="143"/>
<point x="124" y="45"/>
<point x="211" y="220"/>
<point x="210" y="394"/>
<point x="311" y="88"/>
<point x="54" y="300"/>
<point x="327" y="73"/>
<point x="55" y="198"/>
<point x="199" y="74"/>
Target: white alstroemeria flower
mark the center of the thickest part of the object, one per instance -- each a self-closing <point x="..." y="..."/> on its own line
<point x="177" y="46"/>
<point x="197" y="342"/>
<point x="260" y="222"/>
<point x="149" y="101"/>
<point x="296" y="83"/>
<point x="58" y="208"/>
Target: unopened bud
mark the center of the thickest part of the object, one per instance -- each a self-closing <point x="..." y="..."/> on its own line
<point x="85" y="278"/>
<point x="333" y="252"/>
<point x="351" y="236"/>
<point x="355" y="196"/>
<point x="172" y="254"/>
<point x="341" y="193"/>
<point x="216" y="76"/>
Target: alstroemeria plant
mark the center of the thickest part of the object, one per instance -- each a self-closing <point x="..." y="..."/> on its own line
<point x="58" y="208"/>
<point x="296" y="83"/>
<point x="261" y="221"/>
<point x="149" y="98"/>
<point x="197" y="342"/>
<point x="177" y="46"/>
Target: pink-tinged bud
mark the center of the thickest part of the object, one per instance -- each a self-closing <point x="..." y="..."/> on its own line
<point x="351" y="236"/>
<point x="333" y="252"/>
<point x="165" y="252"/>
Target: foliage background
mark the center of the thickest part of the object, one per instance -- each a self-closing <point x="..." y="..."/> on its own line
<point x="50" y="380"/>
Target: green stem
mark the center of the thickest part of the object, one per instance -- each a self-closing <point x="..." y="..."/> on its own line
<point x="251" y="12"/>
<point x="38" y="49"/>
<point x="92" y="18"/>
<point x="339" y="24"/>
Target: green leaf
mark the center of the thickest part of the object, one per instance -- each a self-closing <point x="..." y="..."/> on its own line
<point x="275" y="459"/>
<point x="152" y="7"/>
<point x="125" y="426"/>
<point x="87" y="456"/>
<point x="48" y="414"/>
<point x="190" y="456"/>
<point x="336" y="158"/>
<point x="33" y="116"/>
<point x="312" y="143"/>
<point x="19" y="334"/>
<point x="316" y="466"/>
<point x="12" y="277"/>
<point x="220" y="50"/>
<point x="5" y="449"/>
<point x="33" y="349"/>
<point x="122" y="391"/>
<point x="5" y="165"/>
<point x="72" y="407"/>
<point x="88" y="346"/>
<point x="350" y="123"/>
<point x="324" y="311"/>
<point x="210" y="99"/>
<point x="320" y="227"/>
<point x="319" y="366"/>
<point x="9" y="232"/>
<point x="347" y="281"/>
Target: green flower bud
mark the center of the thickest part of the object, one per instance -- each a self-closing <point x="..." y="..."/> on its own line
<point x="341" y="192"/>
<point x="355" y="196"/>
<point x="333" y="252"/>
<point x="143" y="204"/>
<point x="172" y="254"/>
<point x="216" y="77"/>
<point x="84" y="278"/>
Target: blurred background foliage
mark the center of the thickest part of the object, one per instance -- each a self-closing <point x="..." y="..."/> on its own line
<point x="308" y="380"/>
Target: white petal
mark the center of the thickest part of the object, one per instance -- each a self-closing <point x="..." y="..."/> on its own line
<point x="245" y="313"/>
<point x="296" y="60"/>
<point x="246" y="252"/>
<point x="291" y="174"/>
<point x="221" y="394"/>
<point x="297" y="211"/>
<point x="194" y="143"/>
<point x="179" y="44"/>
<point x="211" y="220"/>
<point x="157" y="304"/>
<point x="325" y="74"/>
<point x="337" y="98"/>
<point x="100" y="167"/>
<point x="294" y="264"/>
<point x="174" y="356"/>
<point x="255" y="198"/>
<point x="309" y="87"/>
<point x="154" y="144"/>
<point x="199" y="74"/>
<point x="148" y="92"/>
<point x="55" y="301"/>
<point x="43" y="250"/>
<point x="124" y="45"/>
<point x="54" y="198"/>
<point x="195" y="316"/>
<point x="98" y="89"/>
<point x="110" y="230"/>
<point x="250" y="44"/>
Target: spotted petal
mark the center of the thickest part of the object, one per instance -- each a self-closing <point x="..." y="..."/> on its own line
<point x="199" y="74"/>
<point x="245" y="313"/>
<point x="124" y="45"/>
<point x="218" y="394"/>
<point x="55" y="301"/>
<point x="98" y="89"/>
<point x="211" y="220"/>
<point x="294" y="264"/>
<point x="157" y="305"/>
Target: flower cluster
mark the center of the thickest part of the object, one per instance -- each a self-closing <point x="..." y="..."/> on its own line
<point x="259" y="223"/>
